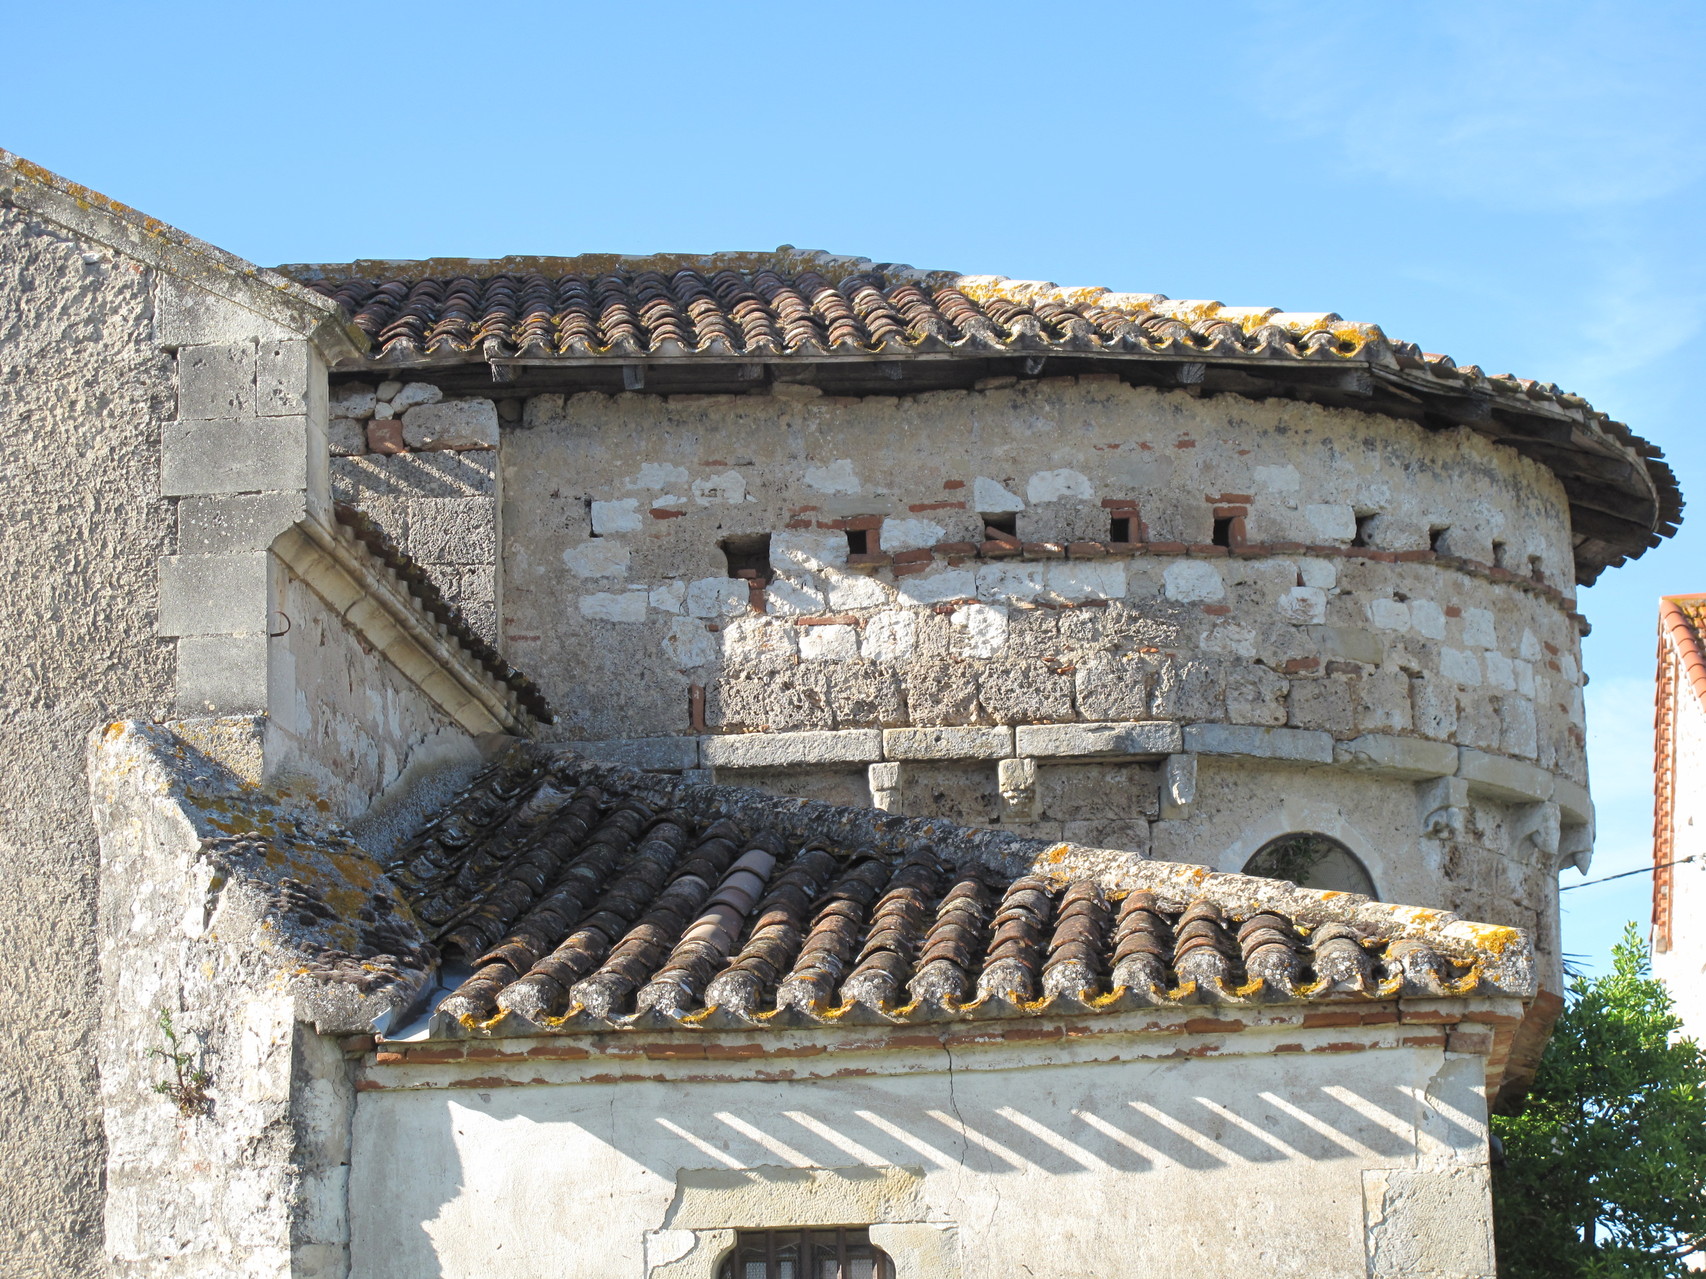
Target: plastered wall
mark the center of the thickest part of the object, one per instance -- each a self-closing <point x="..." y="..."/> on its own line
<point x="1009" y="1160"/>
<point x="85" y="392"/>
<point x="1683" y="965"/>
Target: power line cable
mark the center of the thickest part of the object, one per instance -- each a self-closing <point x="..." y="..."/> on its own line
<point x="1645" y="870"/>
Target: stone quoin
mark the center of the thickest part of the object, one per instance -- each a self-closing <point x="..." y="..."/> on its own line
<point x="676" y="765"/>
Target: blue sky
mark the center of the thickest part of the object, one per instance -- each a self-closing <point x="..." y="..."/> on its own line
<point x="1516" y="184"/>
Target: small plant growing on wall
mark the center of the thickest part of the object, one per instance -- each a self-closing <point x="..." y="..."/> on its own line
<point x="188" y="1086"/>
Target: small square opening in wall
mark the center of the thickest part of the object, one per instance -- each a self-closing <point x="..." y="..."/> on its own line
<point x="748" y="555"/>
<point x="1501" y="554"/>
<point x="1119" y="529"/>
<point x="1002" y="527"/>
<point x="1222" y="535"/>
<point x="1365" y="529"/>
<point x="858" y="541"/>
<point x="1436" y="538"/>
<point x="1536" y="571"/>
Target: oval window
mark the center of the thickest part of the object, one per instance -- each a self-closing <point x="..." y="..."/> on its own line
<point x="1312" y="860"/>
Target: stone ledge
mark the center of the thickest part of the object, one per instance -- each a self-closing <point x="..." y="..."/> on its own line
<point x="1299" y="744"/>
<point x="948" y="743"/>
<point x="649" y="754"/>
<point x="1413" y="757"/>
<point x="785" y="750"/>
<point x="1573" y="801"/>
<point x="1503" y="777"/>
<point x="1118" y="740"/>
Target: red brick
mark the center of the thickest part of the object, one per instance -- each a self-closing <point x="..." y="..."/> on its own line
<point x="936" y="506"/>
<point x="386" y="437"/>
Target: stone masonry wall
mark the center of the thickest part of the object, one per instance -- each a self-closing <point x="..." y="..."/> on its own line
<point x="83" y="392"/>
<point x="425" y="468"/>
<point x="615" y="570"/>
<point x="344" y="723"/>
<point x="1377" y="581"/>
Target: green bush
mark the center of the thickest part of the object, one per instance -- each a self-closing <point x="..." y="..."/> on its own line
<point x="1605" y="1167"/>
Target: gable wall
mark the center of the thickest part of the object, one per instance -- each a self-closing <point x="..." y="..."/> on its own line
<point x="82" y="400"/>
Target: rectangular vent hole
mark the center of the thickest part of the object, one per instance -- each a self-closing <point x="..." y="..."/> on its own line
<point x="1119" y="528"/>
<point x="858" y="541"/>
<point x="1365" y="530"/>
<point x="748" y="555"/>
<point x="1222" y="531"/>
<point x="1001" y="527"/>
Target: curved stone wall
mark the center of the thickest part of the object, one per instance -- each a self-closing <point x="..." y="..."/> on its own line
<point x="1197" y="624"/>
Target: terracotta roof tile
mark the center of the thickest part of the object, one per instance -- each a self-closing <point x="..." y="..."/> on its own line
<point x="691" y="315"/>
<point x="584" y="897"/>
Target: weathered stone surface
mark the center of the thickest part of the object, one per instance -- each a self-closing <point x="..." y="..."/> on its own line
<point x="217" y="525"/>
<point x="782" y="750"/>
<point x="1014" y="692"/>
<point x="412" y="394"/>
<point x="1178" y="789"/>
<point x="654" y="754"/>
<point x="1261" y="743"/>
<point x="1506" y="778"/>
<point x="1401" y="756"/>
<point x="352" y="400"/>
<point x="969" y="742"/>
<point x="1158" y="738"/>
<point x="451" y="424"/>
<point x="213" y="594"/>
<point x="234" y="456"/>
<point x="347" y="436"/>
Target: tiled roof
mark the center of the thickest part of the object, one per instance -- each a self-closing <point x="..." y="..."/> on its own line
<point x="418" y="581"/>
<point x="677" y="322"/>
<point x="585" y="897"/>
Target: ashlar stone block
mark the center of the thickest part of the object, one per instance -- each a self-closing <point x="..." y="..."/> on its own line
<point x="784" y="750"/>
<point x="964" y="742"/>
<point x="1098" y="740"/>
<point x="1300" y="745"/>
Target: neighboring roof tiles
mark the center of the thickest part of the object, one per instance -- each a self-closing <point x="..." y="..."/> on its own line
<point x="587" y="897"/>
<point x="684" y="323"/>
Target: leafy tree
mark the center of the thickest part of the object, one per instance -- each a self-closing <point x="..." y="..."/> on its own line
<point x="1605" y="1166"/>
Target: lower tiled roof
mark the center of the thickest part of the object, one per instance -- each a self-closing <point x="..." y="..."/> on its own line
<point x="584" y="897"/>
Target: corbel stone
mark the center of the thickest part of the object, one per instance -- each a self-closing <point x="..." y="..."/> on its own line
<point x="1443" y="804"/>
<point x="1178" y="787"/>
<point x="1017" y="780"/>
<point x="885" y="780"/>
<point x="1575" y="846"/>
<point x="1538" y="826"/>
